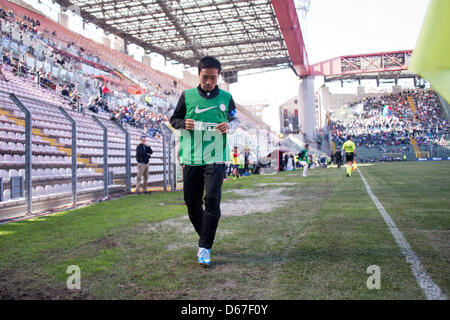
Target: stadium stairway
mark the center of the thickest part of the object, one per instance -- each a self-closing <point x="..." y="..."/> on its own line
<point x="412" y="105"/>
<point x="415" y="147"/>
<point x="445" y="106"/>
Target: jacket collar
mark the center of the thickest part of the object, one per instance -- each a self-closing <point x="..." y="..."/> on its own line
<point x="208" y="94"/>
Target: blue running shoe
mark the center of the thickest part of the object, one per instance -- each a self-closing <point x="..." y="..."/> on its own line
<point x="204" y="257"/>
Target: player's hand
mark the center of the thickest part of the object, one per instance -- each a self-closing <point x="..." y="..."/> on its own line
<point x="189" y="124"/>
<point x="223" y="127"/>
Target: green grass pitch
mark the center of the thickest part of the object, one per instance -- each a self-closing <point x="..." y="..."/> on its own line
<point x="316" y="242"/>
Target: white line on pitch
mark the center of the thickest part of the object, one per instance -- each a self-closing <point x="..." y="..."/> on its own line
<point x="429" y="288"/>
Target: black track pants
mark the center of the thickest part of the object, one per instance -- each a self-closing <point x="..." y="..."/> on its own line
<point x="197" y="180"/>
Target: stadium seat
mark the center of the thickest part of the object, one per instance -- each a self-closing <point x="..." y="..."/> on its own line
<point x="38" y="191"/>
<point x="5" y="175"/>
<point x="8" y="158"/>
<point x="6" y="195"/>
<point x="56" y="173"/>
<point x="13" y="173"/>
<point x="48" y="189"/>
<point x="40" y="173"/>
<point x="57" y="188"/>
<point x="65" y="188"/>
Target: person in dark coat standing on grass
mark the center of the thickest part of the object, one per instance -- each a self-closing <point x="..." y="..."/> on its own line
<point x="143" y="153"/>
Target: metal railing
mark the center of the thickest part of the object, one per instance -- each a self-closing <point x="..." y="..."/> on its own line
<point x="168" y="148"/>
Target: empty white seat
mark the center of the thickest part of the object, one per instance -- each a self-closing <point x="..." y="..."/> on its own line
<point x="48" y="189"/>
<point x="4" y="174"/>
<point x="56" y="172"/>
<point x="57" y="188"/>
<point x="12" y="146"/>
<point x="40" y="173"/>
<point x="18" y="159"/>
<point x="38" y="191"/>
<point x="20" y="146"/>
<point x="13" y="173"/>
<point x="6" y="195"/>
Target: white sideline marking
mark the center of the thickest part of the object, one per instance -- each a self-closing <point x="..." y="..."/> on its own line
<point x="429" y="288"/>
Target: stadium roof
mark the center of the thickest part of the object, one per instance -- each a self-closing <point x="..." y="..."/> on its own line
<point x="242" y="34"/>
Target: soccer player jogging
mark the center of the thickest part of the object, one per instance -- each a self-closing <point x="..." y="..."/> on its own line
<point x="304" y="160"/>
<point x="204" y="115"/>
<point x="349" y="148"/>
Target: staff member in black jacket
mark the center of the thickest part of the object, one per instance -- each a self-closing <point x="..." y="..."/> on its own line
<point x="143" y="153"/>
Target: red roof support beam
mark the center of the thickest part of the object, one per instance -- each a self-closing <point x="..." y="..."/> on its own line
<point x="292" y="34"/>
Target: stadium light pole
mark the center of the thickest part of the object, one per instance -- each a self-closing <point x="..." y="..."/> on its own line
<point x="105" y="155"/>
<point x="28" y="151"/>
<point x="74" y="155"/>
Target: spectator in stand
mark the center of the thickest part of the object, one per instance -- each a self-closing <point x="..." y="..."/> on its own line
<point x="38" y="75"/>
<point x="92" y="106"/>
<point x="53" y="50"/>
<point x="373" y="129"/>
<point x="105" y="92"/>
<point x="7" y="59"/>
<point x="65" y="92"/>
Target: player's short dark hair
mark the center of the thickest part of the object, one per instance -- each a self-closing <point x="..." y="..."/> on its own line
<point x="349" y="137"/>
<point x="209" y="62"/>
<point x="306" y="146"/>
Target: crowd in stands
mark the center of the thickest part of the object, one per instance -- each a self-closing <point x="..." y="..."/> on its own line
<point x="371" y="126"/>
<point x="145" y="110"/>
